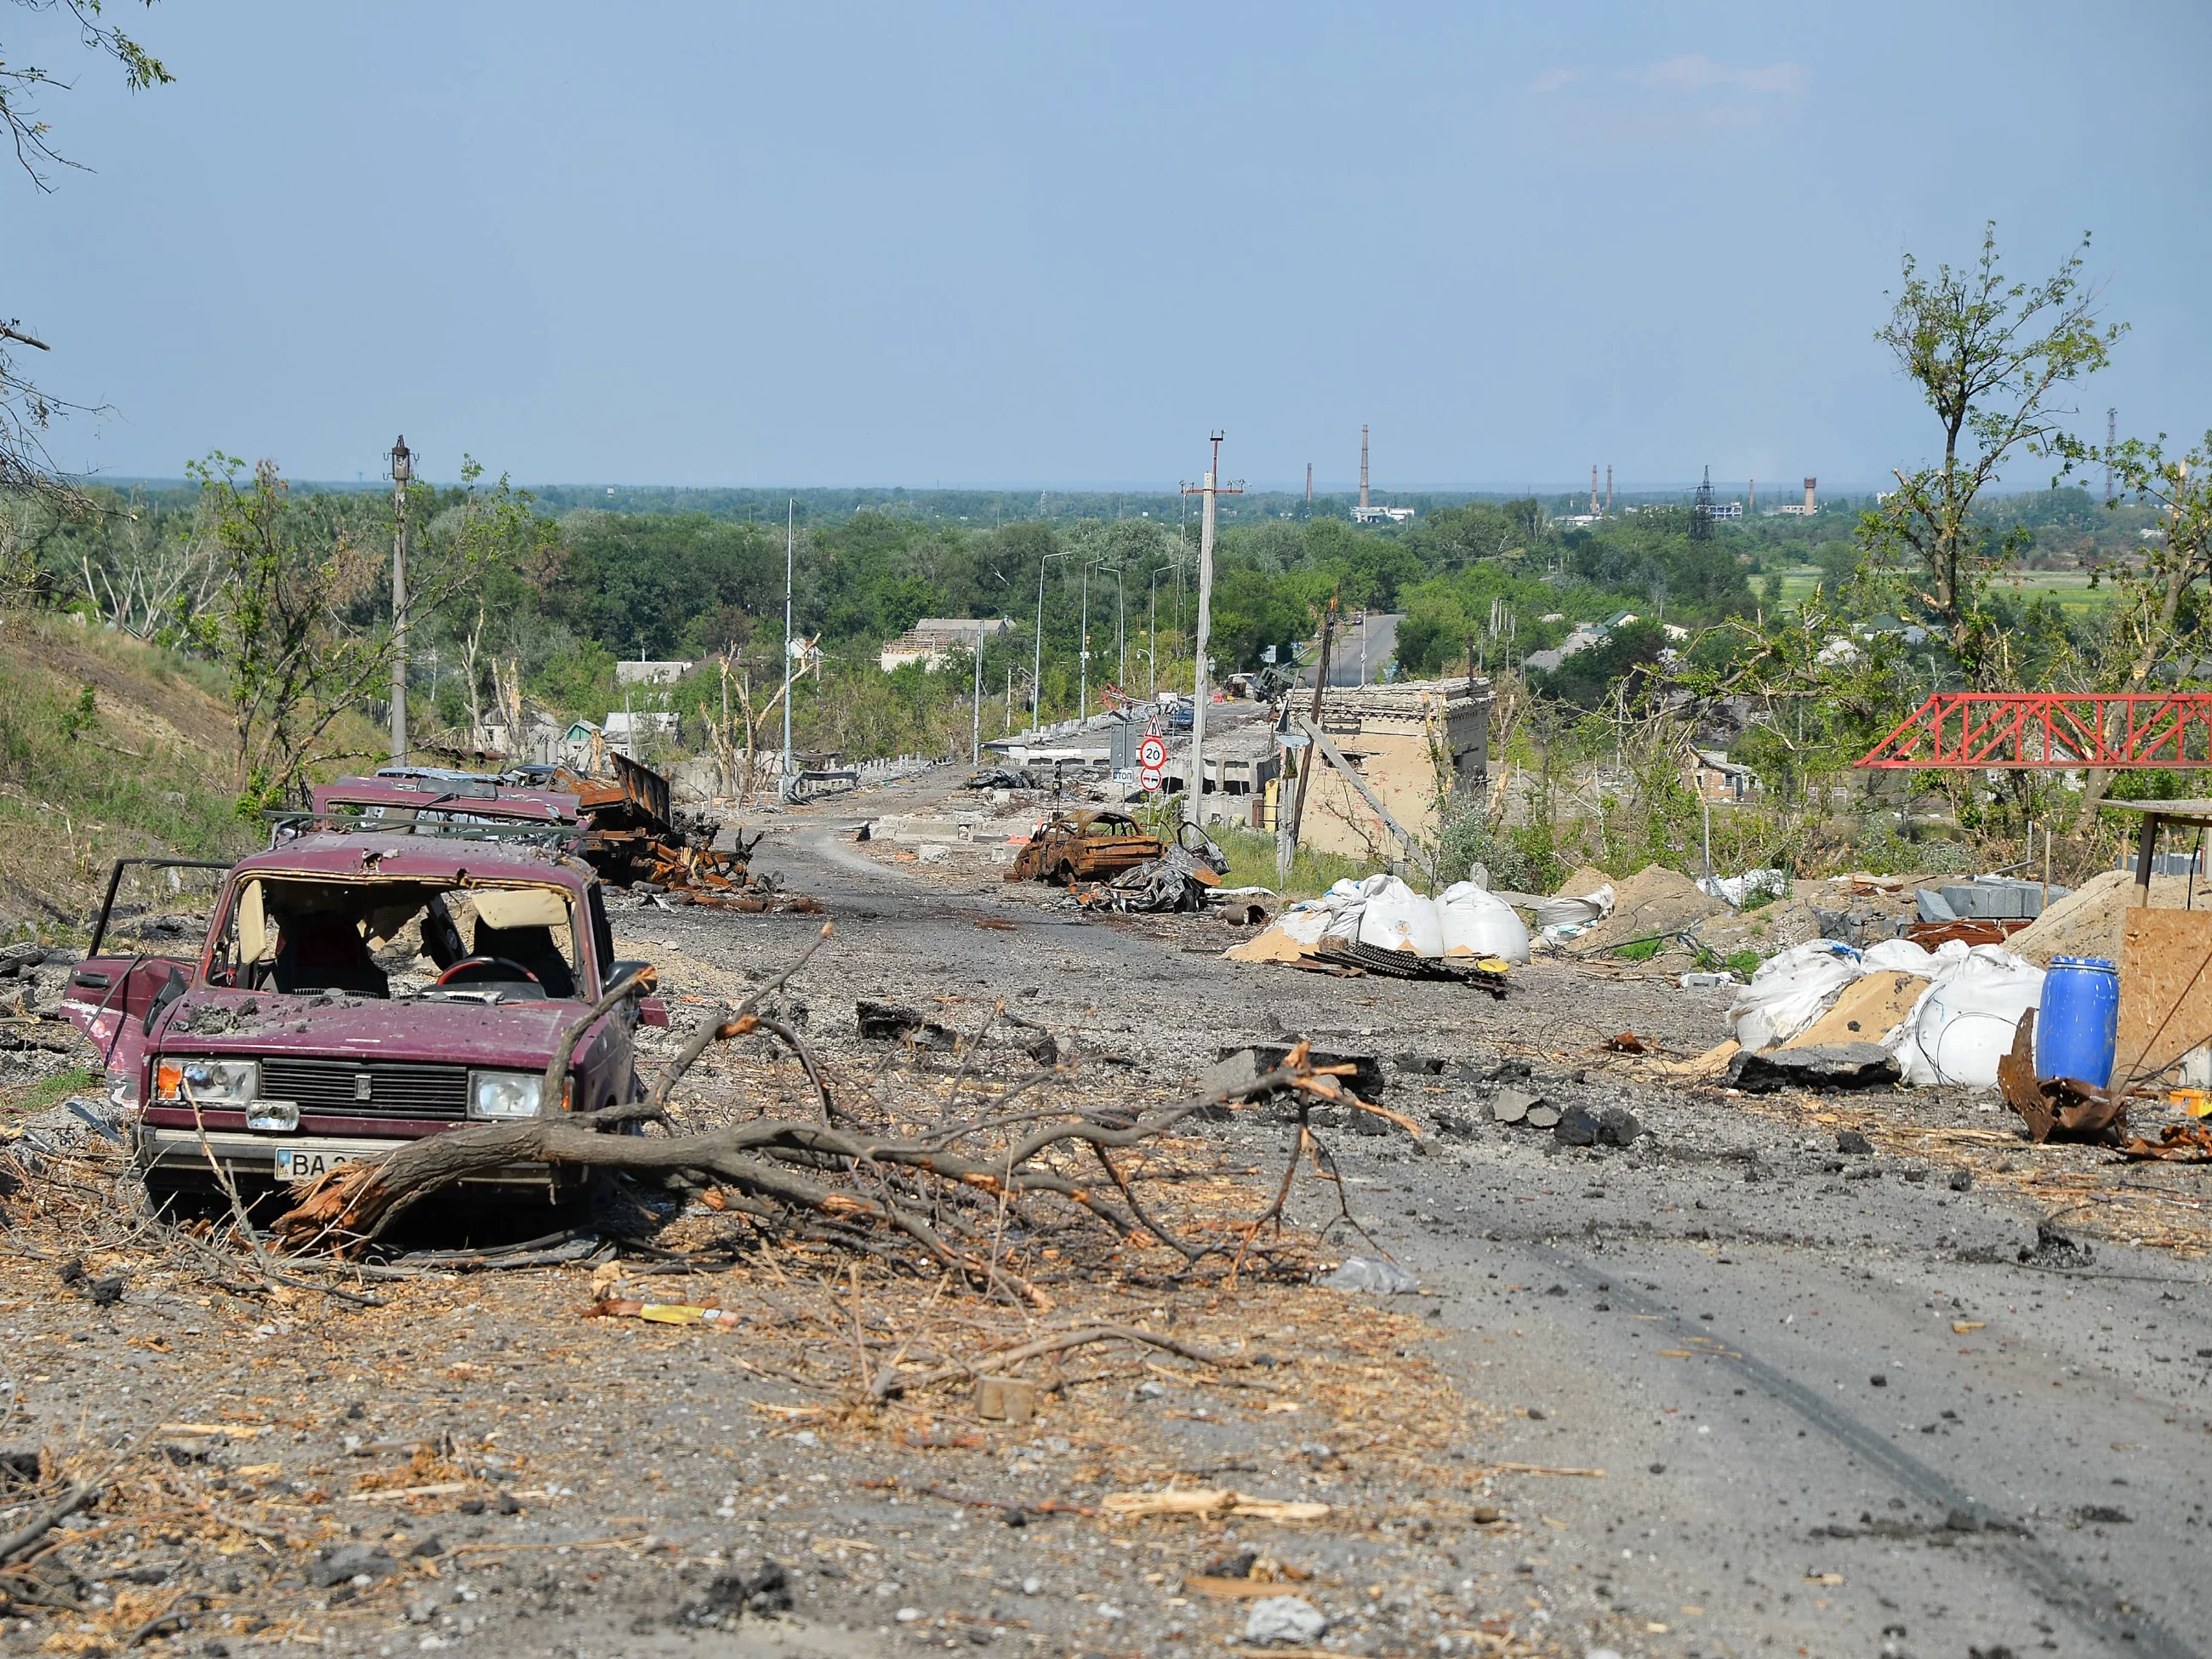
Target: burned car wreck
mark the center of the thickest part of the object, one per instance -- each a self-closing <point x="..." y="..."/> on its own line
<point x="396" y="964"/>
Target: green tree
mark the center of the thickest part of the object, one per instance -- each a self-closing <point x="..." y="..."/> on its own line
<point x="1992" y="356"/>
<point x="284" y="626"/>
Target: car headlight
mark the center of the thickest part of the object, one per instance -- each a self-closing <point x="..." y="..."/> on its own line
<point x="213" y="1081"/>
<point x="504" y="1094"/>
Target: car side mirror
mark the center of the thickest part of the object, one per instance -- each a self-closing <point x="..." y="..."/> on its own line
<point x="619" y="972"/>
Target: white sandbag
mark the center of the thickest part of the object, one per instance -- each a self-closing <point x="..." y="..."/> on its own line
<point x="1964" y="1023"/>
<point x="1396" y="918"/>
<point x="1902" y="956"/>
<point x="1789" y="992"/>
<point x="1556" y="913"/>
<point x="1476" y="923"/>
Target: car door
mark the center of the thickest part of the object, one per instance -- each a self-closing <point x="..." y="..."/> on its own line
<point x="116" y="1002"/>
<point x="115" y="999"/>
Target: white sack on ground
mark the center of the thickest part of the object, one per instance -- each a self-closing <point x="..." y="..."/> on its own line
<point x="1789" y="992"/>
<point x="1397" y="918"/>
<point x="1733" y="890"/>
<point x="1964" y="1023"/>
<point x="1476" y="923"/>
<point x="1554" y="913"/>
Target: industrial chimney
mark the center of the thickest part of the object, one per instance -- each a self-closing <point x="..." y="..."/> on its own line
<point x="1609" y="486"/>
<point x="1593" y="489"/>
<point x="1309" y="483"/>
<point x="1362" y="466"/>
<point x="1751" y="490"/>
<point x="1809" y="483"/>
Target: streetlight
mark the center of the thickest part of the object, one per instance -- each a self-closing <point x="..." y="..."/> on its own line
<point x="1082" y="704"/>
<point x="403" y="473"/>
<point x="1036" y="673"/>
<point x="1121" y="632"/>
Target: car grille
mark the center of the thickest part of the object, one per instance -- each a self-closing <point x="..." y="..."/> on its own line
<point x="331" y="1088"/>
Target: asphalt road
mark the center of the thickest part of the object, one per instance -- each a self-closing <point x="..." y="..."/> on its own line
<point x="1836" y="1413"/>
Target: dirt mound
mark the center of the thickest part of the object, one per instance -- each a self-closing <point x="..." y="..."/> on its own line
<point x="2088" y="921"/>
<point x="1655" y="900"/>
<point x="1584" y="881"/>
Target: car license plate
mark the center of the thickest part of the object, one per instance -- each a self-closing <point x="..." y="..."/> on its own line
<point x="307" y="1161"/>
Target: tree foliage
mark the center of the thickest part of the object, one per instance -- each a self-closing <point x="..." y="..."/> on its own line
<point x="1993" y="358"/>
<point x="26" y="412"/>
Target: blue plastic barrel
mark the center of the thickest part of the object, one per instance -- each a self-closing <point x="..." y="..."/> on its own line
<point x="2077" y="1022"/>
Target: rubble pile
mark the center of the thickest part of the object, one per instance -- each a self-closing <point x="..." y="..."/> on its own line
<point x="636" y="840"/>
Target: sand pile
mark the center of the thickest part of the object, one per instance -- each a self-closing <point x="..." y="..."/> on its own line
<point x="1655" y="900"/>
<point x="1584" y="883"/>
<point x="2088" y="921"/>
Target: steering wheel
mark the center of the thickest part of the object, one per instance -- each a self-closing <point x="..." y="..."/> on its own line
<point x="472" y="968"/>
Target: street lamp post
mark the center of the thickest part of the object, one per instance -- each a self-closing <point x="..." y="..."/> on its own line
<point x="1083" y="701"/>
<point x="403" y="471"/>
<point x="1036" y="672"/>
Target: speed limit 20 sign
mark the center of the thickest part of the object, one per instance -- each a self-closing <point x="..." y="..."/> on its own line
<point x="1153" y="752"/>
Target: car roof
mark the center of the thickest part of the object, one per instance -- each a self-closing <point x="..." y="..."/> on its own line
<point x="357" y="853"/>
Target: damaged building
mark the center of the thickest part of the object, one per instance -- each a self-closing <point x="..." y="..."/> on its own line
<point x="1415" y="745"/>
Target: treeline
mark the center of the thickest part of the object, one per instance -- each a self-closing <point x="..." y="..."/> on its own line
<point x="554" y="599"/>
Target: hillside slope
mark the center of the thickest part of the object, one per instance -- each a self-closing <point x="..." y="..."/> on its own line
<point x="141" y="766"/>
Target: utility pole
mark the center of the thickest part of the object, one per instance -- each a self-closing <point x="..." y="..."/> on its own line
<point x="402" y="470"/>
<point x="976" y="732"/>
<point x="1036" y="673"/>
<point x="790" y="543"/>
<point x="1212" y="488"/>
<point x="2111" y="441"/>
<point x="1083" y="670"/>
<point x="1120" y="632"/>
<point x="1286" y="834"/>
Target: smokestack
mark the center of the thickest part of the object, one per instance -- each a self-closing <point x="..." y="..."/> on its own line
<point x="1363" y="464"/>
<point x="1309" y="483"/>
<point x="1609" y="486"/>
<point x="1809" y="483"/>
<point x="1592" y="489"/>
<point x="1751" y="489"/>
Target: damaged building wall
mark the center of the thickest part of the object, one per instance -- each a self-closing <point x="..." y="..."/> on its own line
<point x="1416" y="743"/>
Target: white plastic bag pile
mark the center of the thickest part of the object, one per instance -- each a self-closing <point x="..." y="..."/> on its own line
<point x="1382" y="911"/>
<point x="1962" y="1024"/>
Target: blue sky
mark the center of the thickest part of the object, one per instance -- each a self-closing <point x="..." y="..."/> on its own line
<point x="913" y="244"/>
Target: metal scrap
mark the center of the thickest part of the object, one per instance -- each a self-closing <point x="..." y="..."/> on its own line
<point x="2062" y="1108"/>
<point x="1176" y="880"/>
<point x="635" y="838"/>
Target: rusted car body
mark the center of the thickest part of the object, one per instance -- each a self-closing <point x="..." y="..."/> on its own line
<point x="398" y="964"/>
<point x="1088" y="846"/>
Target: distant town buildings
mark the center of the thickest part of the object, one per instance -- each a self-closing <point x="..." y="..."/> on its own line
<point x="1807" y="510"/>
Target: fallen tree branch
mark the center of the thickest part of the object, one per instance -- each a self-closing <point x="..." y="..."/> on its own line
<point x="78" y="1496"/>
<point x="891" y="1383"/>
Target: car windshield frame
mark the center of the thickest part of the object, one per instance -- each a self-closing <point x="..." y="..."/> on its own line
<point x="587" y="970"/>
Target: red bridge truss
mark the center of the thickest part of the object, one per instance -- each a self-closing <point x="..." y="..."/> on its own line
<point x="2046" y="731"/>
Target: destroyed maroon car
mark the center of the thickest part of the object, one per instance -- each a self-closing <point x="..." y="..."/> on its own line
<point x="400" y="962"/>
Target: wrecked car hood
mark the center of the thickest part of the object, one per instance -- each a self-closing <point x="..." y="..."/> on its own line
<point x="216" y="1020"/>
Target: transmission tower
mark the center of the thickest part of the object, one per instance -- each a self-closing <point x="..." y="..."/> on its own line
<point x="1701" y="510"/>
